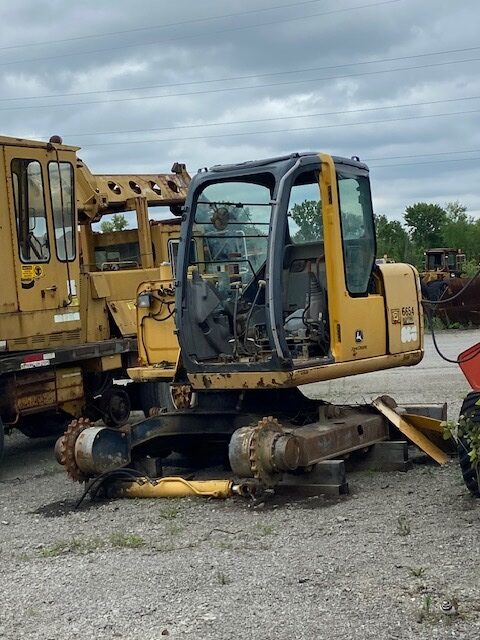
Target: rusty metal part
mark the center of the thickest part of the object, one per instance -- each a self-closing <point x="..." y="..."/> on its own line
<point x="65" y="448"/>
<point x="263" y="451"/>
<point x="181" y="395"/>
<point x="156" y="411"/>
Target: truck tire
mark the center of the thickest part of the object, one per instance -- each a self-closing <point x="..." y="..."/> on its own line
<point x="2" y="439"/>
<point x="472" y="411"/>
<point x="155" y="395"/>
<point x="44" y="425"/>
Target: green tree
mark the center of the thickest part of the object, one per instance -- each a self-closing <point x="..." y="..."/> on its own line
<point x="392" y="239"/>
<point x="456" y="212"/>
<point x="426" y="223"/>
<point x="117" y="223"/>
<point x="462" y="231"/>
<point x="308" y="217"/>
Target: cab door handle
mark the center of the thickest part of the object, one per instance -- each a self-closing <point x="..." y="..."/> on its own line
<point x="52" y="289"/>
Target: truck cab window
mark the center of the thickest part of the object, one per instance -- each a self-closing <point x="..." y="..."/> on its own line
<point x="31" y="220"/>
<point x="62" y="195"/>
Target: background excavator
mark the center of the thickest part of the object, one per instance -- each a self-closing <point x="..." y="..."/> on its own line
<point x="275" y="286"/>
<point x="67" y="301"/>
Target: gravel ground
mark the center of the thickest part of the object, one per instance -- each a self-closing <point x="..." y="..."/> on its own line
<point x="374" y="564"/>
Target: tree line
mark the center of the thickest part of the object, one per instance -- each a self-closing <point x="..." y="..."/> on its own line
<point x="426" y="226"/>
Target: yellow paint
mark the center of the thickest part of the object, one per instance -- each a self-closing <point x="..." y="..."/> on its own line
<point x="176" y="487"/>
<point x="411" y="432"/>
<point x="424" y="423"/>
<point x="158" y="346"/>
<point x="297" y="377"/>
<point x="34" y="294"/>
<point x="349" y="313"/>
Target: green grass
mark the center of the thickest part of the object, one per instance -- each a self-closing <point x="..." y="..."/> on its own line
<point x="169" y="512"/>
<point x="265" y="529"/>
<point x="222" y="578"/>
<point x="88" y="545"/>
<point x="126" y="540"/>
<point x="403" y="526"/>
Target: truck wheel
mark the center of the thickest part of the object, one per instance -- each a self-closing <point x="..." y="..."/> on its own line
<point x="470" y="476"/>
<point x="116" y="407"/>
<point x="155" y="395"/>
<point x="2" y="439"/>
<point x="44" y="425"/>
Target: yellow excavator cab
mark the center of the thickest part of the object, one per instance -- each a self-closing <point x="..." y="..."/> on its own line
<point x="277" y="283"/>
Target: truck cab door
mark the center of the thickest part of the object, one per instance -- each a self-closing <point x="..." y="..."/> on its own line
<point x="42" y="209"/>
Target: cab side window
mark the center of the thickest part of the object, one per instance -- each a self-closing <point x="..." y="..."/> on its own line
<point x="62" y="195"/>
<point x="358" y="231"/>
<point x="30" y="215"/>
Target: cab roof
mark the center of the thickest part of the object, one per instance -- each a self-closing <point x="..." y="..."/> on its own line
<point x="276" y="160"/>
<point x="8" y="141"/>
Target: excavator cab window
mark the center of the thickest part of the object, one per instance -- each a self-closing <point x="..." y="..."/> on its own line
<point x="225" y="288"/>
<point x="358" y="231"/>
<point x="173" y="245"/>
<point x="304" y="278"/>
<point x="63" y="206"/>
<point x="30" y="214"/>
<point x="232" y="220"/>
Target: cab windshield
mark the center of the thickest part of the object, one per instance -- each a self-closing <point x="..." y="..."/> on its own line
<point x="231" y="225"/>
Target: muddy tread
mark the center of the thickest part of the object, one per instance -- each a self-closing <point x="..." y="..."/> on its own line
<point x="470" y="410"/>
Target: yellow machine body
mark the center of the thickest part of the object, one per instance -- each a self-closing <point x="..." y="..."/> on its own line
<point x="275" y="285"/>
<point x="380" y="329"/>
<point x="65" y="284"/>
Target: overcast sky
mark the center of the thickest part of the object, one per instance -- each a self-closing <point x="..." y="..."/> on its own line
<point x="394" y="82"/>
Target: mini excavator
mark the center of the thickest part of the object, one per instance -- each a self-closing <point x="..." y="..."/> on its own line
<point x="275" y="286"/>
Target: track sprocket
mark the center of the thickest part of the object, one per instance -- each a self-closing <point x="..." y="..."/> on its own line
<point x="262" y="468"/>
<point x="65" y="448"/>
<point x="182" y="395"/>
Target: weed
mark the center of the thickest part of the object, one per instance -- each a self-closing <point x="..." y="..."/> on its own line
<point x="55" y="550"/>
<point x="169" y="512"/>
<point x="126" y="540"/>
<point x="88" y="545"/>
<point x="418" y="572"/>
<point x="265" y="529"/>
<point x="427" y="604"/>
<point x="174" y="529"/>
<point x="373" y="470"/>
<point x="226" y="545"/>
<point x="403" y="526"/>
<point x="427" y="471"/>
<point x="222" y="578"/>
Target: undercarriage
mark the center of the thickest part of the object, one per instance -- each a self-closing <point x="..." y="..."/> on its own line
<point x="260" y="441"/>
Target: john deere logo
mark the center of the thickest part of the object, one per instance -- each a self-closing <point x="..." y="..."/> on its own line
<point x="358" y="335"/>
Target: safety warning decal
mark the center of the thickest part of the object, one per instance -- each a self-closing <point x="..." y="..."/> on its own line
<point x="31" y="271"/>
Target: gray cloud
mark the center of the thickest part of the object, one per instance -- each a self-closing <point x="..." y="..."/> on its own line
<point x="202" y="50"/>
